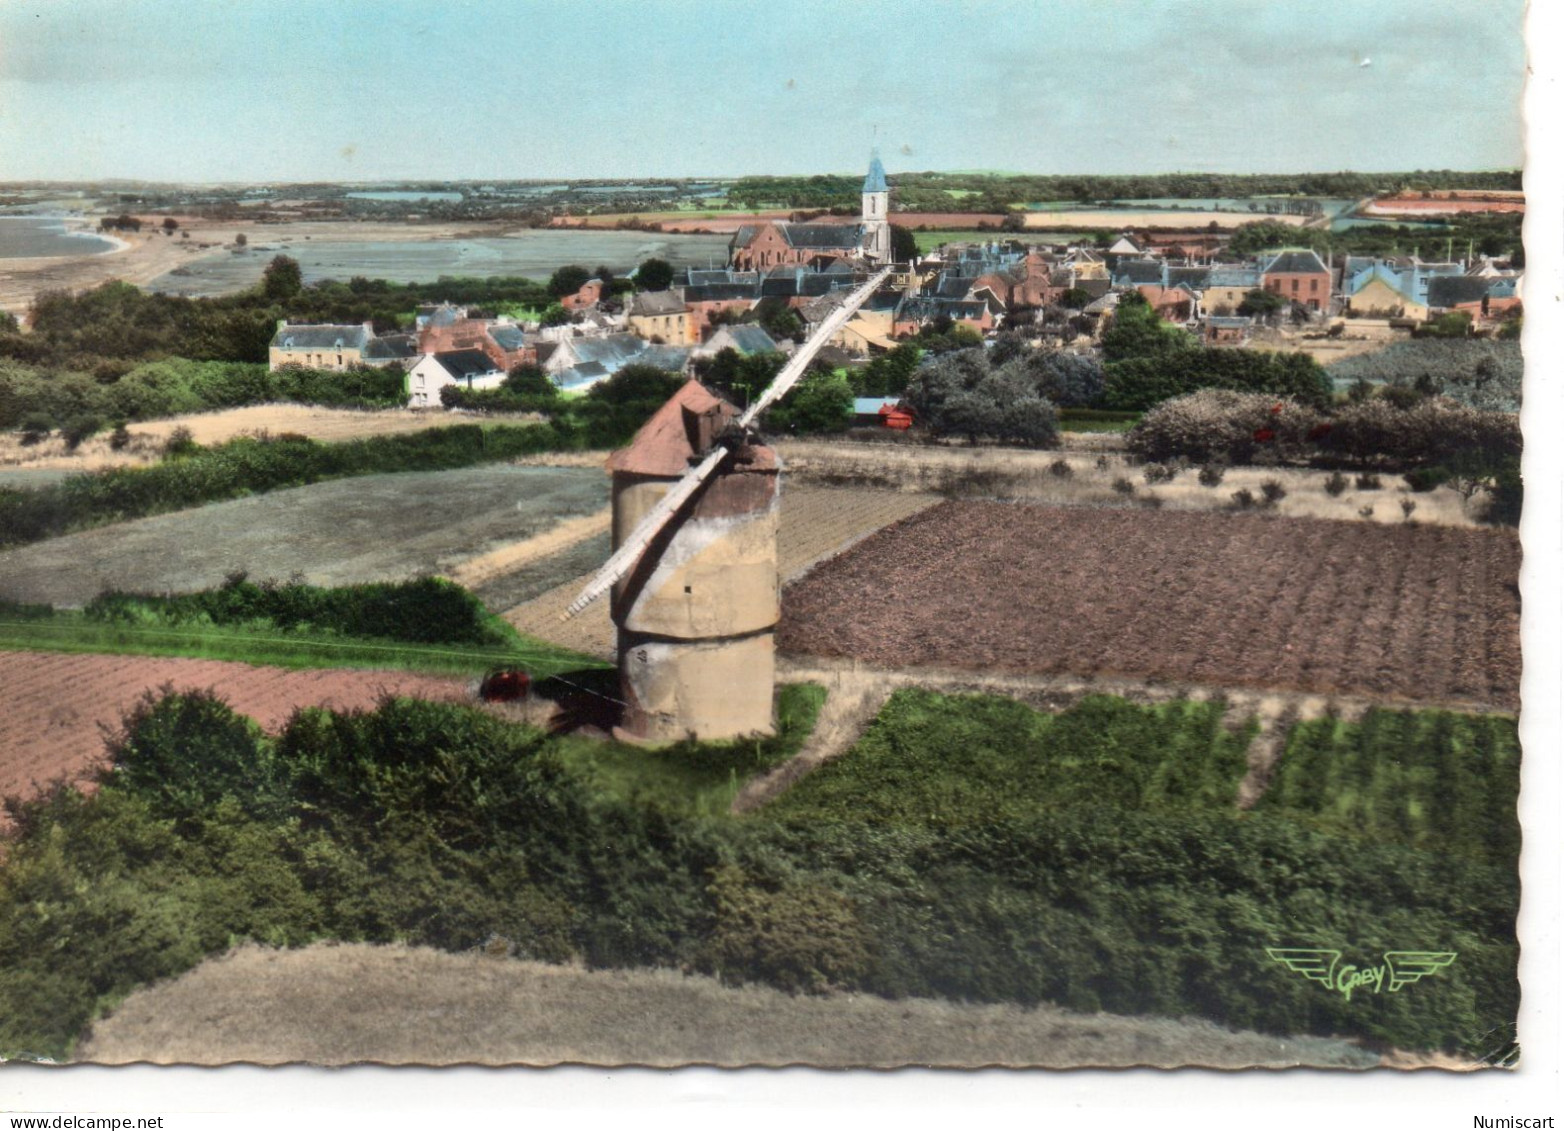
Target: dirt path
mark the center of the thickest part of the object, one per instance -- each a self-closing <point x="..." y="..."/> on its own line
<point x="58" y="706"/>
<point x="335" y="1005"/>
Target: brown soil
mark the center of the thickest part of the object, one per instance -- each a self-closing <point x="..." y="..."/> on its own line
<point x="57" y="706"/>
<point x="348" y="1004"/>
<point x="1405" y="612"/>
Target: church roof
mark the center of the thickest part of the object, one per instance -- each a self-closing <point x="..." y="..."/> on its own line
<point x="875" y="181"/>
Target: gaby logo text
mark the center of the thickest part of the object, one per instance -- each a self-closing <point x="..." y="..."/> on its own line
<point x="1400" y="968"/>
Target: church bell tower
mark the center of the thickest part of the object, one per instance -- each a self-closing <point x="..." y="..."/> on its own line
<point x="876" y="222"/>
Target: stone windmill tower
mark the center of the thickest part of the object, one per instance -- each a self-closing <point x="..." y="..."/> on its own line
<point x="694" y="568"/>
<point x="696" y="617"/>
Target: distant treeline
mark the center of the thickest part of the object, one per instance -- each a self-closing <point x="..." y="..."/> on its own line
<point x="996" y="192"/>
<point x="117" y="321"/>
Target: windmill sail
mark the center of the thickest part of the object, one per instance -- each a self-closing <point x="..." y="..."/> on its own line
<point x="631" y="549"/>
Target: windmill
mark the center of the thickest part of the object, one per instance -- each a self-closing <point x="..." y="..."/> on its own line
<point x="694" y="569"/>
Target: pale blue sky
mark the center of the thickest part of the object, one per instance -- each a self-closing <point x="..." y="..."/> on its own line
<point x="259" y="90"/>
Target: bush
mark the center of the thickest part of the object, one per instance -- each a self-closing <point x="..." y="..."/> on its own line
<point x="1123" y="486"/>
<point x="1211" y="475"/>
<point x="1367" y="481"/>
<point x="1243" y="498"/>
<point x="78" y="430"/>
<point x="180" y="443"/>
<point x="1217" y="425"/>
<point x="798" y="937"/>
<point x="1424" y="479"/>
<point x="36" y="427"/>
<point x="1061" y="469"/>
<point x="186" y="752"/>
<point x="1141" y="383"/>
<point x="429" y="610"/>
<point x="1273" y="491"/>
<point x="1335" y="484"/>
<point x="119" y="439"/>
<point x="1159" y="473"/>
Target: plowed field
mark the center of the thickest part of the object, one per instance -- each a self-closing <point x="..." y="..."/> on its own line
<point x="58" y="705"/>
<point x="1424" y="613"/>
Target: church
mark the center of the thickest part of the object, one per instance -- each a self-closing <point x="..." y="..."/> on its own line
<point x="781" y="243"/>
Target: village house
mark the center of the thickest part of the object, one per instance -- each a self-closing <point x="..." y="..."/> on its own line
<point x="1299" y="276"/>
<point x="503" y="341"/>
<point x="659" y="316"/>
<point x="470" y="368"/>
<point x="745" y="340"/>
<point x="320" y="345"/>
<point x="1226" y="286"/>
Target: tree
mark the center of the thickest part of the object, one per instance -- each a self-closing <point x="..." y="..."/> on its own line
<point x="1260" y="302"/>
<point x="170" y="225"/>
<point x="568" y="280"/>
<point x="555" y="315"/>
<point x="1076" y="298"/>
<point x="779" y="320"/>
<point x="241" y="240"/>
<point x="529" y="380"/>
<point x="821" y="402"/>
<point x="887" y="375"/>
<point x="637" y="383"/>
<point x="283" y="278"/>
<point x="1139" y="331"/>
<point x="654" y="275"/>
<point x="904" y="245"/>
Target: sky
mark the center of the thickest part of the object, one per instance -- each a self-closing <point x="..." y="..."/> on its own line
<point x="360" y="90"/>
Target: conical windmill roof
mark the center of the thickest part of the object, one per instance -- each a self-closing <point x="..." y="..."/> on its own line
<point x="667" y="443"/>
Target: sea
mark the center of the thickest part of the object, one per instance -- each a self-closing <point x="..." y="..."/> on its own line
<point x="529" y="254"/>
<point x="35" y="236"/>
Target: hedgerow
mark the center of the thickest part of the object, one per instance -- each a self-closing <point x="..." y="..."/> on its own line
<point x="424" y="611"/>
<point x="175" y="386"/>
<point x="253" y="465"/>
<point x="441" y="825"/>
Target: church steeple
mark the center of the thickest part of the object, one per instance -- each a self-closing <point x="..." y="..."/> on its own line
<point x="876" y="223"/>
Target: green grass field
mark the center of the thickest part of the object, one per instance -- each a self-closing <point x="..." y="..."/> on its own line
<point x="73" y="632"/>
<point x="1432" y="780"/>
<point x="931" y="759"/>
<point x="691" y="779"/>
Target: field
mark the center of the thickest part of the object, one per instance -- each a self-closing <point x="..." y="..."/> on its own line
<point x="1437" y="781"/>
<point x="58" y="705"/>
<point x="369" y="528"/>
<point x="1426" y="614"/>
<point x="934" y="759"/>
<point x="326" y="425"/>
<point x="816" y="523"/>
<point x="336" y="1005"/>
<point x="1096" y="462"/>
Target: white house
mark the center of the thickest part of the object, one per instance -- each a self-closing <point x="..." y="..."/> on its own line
<point x="433" y="371"/>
